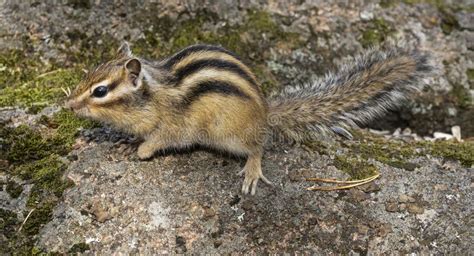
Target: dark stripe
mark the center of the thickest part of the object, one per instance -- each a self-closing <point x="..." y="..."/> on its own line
<point x="195" y="48"/>
<point x="209" y="87"/>
<point x="112" y="85"/>
<point x="213" y="63"/>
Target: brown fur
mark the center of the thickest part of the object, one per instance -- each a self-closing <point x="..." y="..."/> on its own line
<point x="218" y="120"/>
<point x="224" y="107"/>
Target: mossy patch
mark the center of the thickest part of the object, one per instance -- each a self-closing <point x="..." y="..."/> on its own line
<point x="354" y="165"/>
<point x="396" y="153"/>
<point x="470" y="74"/>
<point x="46" y="175"/>
<point x="14" y="189"/>
<point x="79" y="248"/>
<point x="18" y="66"/>
<point x="17" y="243"/>
<point x="461" y="96"/>
<point x="436" y="3"/>
<point x="448" y="21"/>
<point x="36" y="158"/>
<point x="26" y="81"/>
<point x="42" y="90"/>
<point x="388" y="152"/>
<point x="67" y="126"/>
<point x="388" y="3"/>
<point x="23" y="144"/>
<point x="355" y="158"/>
<point x="251" y="39"/>
<point x="357" y="168"/>
<point x="376" y="31"/>
<point x="89" y="53"/>
<point x="463" y="152"/>
<point x="8" y="221"/>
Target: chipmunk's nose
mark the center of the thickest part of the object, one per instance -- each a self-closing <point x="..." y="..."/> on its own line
<point x="71" y="105"/>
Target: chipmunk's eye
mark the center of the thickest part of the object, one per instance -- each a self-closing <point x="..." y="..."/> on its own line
<point x="100" y="91"/>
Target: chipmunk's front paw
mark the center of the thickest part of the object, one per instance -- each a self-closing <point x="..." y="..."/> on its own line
<point x="144" y="152"/>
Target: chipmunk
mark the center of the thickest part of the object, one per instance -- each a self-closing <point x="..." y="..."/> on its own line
<point x="205" y="94"/>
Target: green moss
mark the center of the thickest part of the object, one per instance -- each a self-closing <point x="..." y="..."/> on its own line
<point x="26" y="81"/>
<point x="388" y="3"/>
<point x="40" y="216"/>
<point x="393" y="153"/>
<point x="449" y="22"/>
<point x="191" y="32"/>
<point x="268" y="81"/>
<point x="470" y="74"/>
<point x="67" y="126"/>
<point x="85" y="51"/>
<point x="251" y="39"/>
<point x="17" y="243"/>
<point x="8" y="222"/>
<point x="354" y="165"/>
<point x="396" y="153"/>
<point x="462" y="96"/>
<point x="25" y="86"/>
<point x="45" y="174"/>
<point x="16" y="66"/>
<point x="79" y="248"/>
<point x="14" y="189"/>
<point x="437" y="3"/>
<point x="377" y="31"/>
<point x="23" y="145"/>
<point x="36" y="157"/>
<point x="357" y="168"/>
<point x="464" y="152"/>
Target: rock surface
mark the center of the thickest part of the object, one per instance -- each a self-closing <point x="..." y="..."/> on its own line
<point x="189" y="202"/>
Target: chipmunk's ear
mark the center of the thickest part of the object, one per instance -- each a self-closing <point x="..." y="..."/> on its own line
<point x="124" y="51"/>
<point x="133" y="67"/>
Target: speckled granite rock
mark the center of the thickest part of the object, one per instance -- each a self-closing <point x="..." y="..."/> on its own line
<point x="191" y="203"/>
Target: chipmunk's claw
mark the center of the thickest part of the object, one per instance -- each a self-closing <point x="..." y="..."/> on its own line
<point x="251" y="181"/>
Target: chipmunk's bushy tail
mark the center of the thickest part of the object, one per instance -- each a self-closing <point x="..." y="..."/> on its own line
<point x="364" y="88"/>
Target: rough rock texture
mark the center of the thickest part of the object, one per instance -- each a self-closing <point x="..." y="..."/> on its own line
<point x="189" y="202"/>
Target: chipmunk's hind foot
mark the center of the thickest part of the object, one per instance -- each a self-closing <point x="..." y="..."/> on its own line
<point x="253" y="172"/>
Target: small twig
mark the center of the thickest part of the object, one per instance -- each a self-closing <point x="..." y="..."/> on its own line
<point x="49" y="73"/>
<point x="24" y="221"/>
<point x="353" y="184"/>
<point x="339" y="181"/>
<point x="40" y="76"/>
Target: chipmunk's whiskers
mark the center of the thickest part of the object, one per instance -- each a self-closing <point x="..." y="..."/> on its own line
<point x="65" y="92"/>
